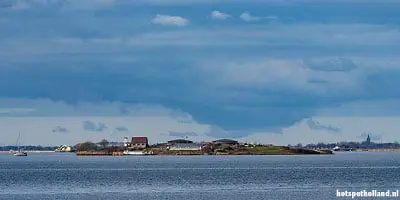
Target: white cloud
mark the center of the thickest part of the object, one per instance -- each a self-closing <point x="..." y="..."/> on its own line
<point x="219" y="15"/>
<point x="246" y="16"/>
<point x="39" y="125"/>
<point x="266" y="72"/>
<point x="170" y="20"/>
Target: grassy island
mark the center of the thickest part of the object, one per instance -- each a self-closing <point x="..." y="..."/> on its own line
<point x="224" y="147"/>
<point x="261" y="150"/>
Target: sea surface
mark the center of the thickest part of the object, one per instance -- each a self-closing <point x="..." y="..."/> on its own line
<point x="66" y="176"/>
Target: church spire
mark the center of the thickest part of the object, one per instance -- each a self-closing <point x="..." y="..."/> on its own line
<point x="368" y="139"/>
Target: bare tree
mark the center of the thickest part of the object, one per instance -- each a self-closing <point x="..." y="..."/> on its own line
<point x="86" y="146"/>
<point x="103" y="143"/>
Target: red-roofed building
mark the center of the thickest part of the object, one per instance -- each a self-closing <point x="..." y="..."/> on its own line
<point x="139" y="143"/>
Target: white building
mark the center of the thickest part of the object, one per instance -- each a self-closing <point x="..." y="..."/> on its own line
<point x="185" y="147"/>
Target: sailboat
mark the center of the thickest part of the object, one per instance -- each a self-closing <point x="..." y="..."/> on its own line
<point x="20" y="152"/>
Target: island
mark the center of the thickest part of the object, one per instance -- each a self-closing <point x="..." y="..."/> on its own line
<point x="140" y="146"/>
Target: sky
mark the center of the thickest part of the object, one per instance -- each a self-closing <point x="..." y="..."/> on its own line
<point x="266" y="71"/>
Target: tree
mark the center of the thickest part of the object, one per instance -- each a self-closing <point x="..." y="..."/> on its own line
<point x="104" y="143"/>
<point x="86" y="146"/>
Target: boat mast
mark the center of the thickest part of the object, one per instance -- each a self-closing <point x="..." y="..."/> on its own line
<point x="19" y="135"/>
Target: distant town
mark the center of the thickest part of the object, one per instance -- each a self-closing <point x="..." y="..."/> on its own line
<point x="140" y="146"/>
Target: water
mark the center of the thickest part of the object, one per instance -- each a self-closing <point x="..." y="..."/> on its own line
<point x="66" y="176"/>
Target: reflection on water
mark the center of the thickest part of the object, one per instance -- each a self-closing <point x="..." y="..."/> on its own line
<point x="66" y="176"/>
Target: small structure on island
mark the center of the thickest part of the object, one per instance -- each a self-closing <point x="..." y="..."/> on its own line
<point x="179" y="141"/>
<point x="126" y="142"/>
<point x="139" y="143"/>
<point x="64" y="148"/>
<point x="185" y="147"/>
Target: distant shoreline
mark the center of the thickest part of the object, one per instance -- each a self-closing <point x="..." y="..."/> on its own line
<point x="377" y="150"/>
<point x="32" y="151"/>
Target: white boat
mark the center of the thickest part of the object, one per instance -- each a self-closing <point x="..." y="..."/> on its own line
<point x="20" y="152"/>
<point x="336" y="148"/>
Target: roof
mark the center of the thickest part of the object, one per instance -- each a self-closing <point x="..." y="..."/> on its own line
<point x="226" y="141"/>
<point x="179" y="141"/>
<point x="188" y="145"/>
<point x="139" y="140"/>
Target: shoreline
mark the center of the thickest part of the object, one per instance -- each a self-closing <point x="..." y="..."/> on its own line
<point x="262" y="150"/>
<point x="32" y="151"/>
<point x="377" y="150"/>
<point x="189" y="153"/>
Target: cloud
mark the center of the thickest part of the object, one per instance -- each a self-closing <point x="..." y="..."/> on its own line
<point x="182" y="134"/>
<point x="293" y="37"/>
<point x="59" y="129"/>
<point x="263" y="90"/>
<point x="220" y="15"/>
<point x="297" y="39"/>
<point x="10" y="111"/>
<point x="377" y="108"/>
<point x="246" y="16"/>
<point x="122" y="129"/>
<point x="170" y="20"/>
<point x="333" y="65"/>
<point x="35" y="130"/>
<point x="92" y="126"/>
<point x="217" y="132"/>
<point x="238" y="77"/>
<point x="315" y="125"/>
<point x="47" y="107"/>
